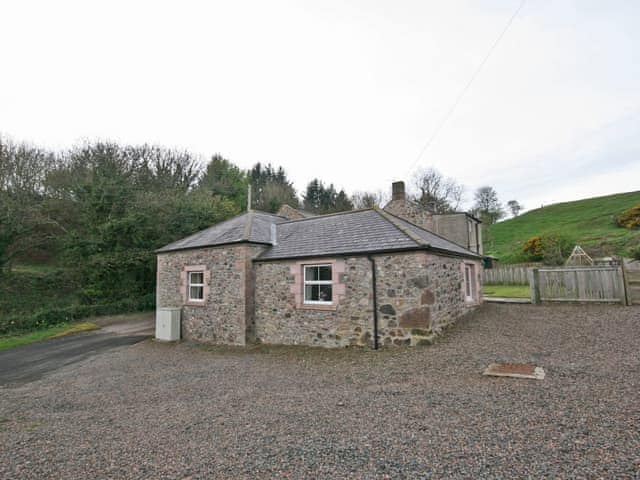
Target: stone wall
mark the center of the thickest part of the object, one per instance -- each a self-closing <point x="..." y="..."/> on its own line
<point x="412" y="212"/>
<point x="421" y="294"/>
<point x="289" y="212"/>
<point x="226" y="313"/>
<point x="418" y="295"/>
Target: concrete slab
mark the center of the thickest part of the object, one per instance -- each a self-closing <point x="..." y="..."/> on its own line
<point x="515" y="370"/>
<point x="506" y="300"/>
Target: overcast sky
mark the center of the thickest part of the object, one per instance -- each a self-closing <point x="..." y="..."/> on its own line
<point x="348" y="90"/>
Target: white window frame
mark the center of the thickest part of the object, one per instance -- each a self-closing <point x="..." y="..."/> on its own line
<point x="306" y="282"/>
<point x="469" y="282"/>
<point x="192" y="284"/>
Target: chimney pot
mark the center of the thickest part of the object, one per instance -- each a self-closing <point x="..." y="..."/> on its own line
<point x="397" y="191"/>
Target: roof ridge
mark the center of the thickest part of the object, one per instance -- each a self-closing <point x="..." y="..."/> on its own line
<point x="246" y="235"/>
<point x="392" y="220"/>
<point x="200" y="232"/>
<point x="262" y="212"/>
<point x="408" y="200"/>
<point x="458" y="212"/>
<point x="315" y="217"/>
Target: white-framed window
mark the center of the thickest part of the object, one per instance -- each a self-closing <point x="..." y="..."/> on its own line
<point x="469" y="282"/>
<point x="196" y="286"/>
<point x="318" y="285"/>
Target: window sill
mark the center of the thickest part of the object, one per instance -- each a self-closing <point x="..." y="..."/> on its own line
<point x="311" y="306"/>
<point x="195" y="304"/>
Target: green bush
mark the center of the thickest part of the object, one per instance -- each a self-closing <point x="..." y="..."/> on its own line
<point x="55" y="316"/>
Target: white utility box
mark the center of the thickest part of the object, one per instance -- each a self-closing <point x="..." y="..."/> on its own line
<point x="168" y="324"/>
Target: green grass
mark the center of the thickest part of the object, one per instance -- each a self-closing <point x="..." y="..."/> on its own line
<point x="51" y="332"/>
<point x="34" y="268"/>
<point x="507" y="291"/>
<point x="588" y="223"/>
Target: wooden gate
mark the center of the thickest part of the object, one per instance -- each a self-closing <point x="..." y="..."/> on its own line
<point x="632" y="274"/>
<point x="577" y="284"/>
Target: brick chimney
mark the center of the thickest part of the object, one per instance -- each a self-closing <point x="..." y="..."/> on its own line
<point x="397" y="191"/>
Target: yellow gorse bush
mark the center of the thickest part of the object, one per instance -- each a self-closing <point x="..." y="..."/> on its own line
<point x="629" y="218"/>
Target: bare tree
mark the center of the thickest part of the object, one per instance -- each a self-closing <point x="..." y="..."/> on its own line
<point x="515" y="207"/>
<point x="437" y="193"/>
<point x="368" y="199"/>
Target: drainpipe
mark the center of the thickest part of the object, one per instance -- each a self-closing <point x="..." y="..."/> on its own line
<point x="375" y="302"/>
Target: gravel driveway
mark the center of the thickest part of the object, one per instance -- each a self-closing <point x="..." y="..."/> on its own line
<point x="165" y="411"/>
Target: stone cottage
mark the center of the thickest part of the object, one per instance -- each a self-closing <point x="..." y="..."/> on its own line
<point x="364" y="277"/>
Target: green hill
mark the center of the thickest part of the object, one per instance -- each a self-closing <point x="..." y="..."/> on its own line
<point x="588" y="223"/>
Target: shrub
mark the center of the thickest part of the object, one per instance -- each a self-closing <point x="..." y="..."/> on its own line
<point x="550" y="249"/>
<point x="629" y="218"/>
<point x="55" y="316"/>
<point x="635" y="253"/>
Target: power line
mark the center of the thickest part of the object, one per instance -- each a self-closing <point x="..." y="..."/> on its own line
<point x="466" y="87"/>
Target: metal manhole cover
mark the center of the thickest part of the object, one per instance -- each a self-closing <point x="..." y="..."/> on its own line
<point x="515" y="370"/>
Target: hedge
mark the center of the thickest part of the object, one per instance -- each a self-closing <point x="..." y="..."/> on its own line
<point x="54" y="316"/>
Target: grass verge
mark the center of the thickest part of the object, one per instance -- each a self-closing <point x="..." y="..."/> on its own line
<point x="51" y="332"/>
<point x="507" y="291"/>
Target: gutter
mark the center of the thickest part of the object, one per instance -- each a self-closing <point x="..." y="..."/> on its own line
<point x="362" y="253"/>
<point x="212" y="245"/>
<point x="375" y="302"/>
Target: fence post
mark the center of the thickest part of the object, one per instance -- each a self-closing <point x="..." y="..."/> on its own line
<point x="625" y="286"/>
<point x="534" y="284"/>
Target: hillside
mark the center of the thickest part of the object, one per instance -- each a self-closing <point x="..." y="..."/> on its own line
<point x="586" y="222"/>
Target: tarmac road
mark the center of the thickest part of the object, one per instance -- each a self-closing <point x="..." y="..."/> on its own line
<point x="30" y="362"/>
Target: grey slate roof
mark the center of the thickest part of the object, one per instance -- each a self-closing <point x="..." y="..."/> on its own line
<point x="252" y="227"/>
<point x="359" y="231"/>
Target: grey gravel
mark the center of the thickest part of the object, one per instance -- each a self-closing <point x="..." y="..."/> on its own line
<point x="183" y="411"/>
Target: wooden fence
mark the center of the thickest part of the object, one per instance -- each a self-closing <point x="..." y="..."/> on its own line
<point x="578" y="284"/>
<point x="507" y="275"/>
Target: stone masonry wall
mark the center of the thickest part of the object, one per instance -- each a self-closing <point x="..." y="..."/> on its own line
<point x="412" y="212"/>
<point x="289" y="212"/>
<point x="223" y="316"/>
<point x="418" y="295"/>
